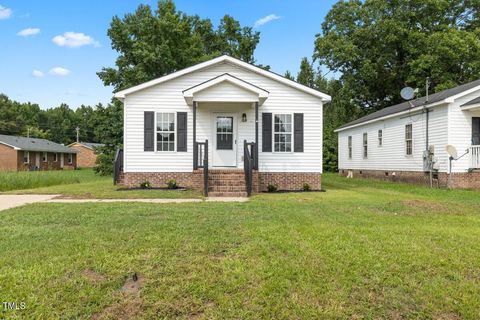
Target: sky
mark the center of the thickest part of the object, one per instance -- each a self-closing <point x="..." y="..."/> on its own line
<point x="51" y="50"/>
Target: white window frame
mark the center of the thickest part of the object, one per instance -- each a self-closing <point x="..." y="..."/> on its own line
<point x="70" y="158"/>
<point x="175" y="137"/>
<point x="292" y="147"/>
<point x="55" y="157"/>
<point x="44" y="156"/>
<point x="350" y="146"/>
<point x="365" y="145"/>
<point x="26" y="153"/>
<point x="380" y="137"/>
<point x="406" y="140"/>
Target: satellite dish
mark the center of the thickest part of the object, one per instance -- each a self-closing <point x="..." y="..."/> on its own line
<point x="452" y="151"/>
<point x="407" y="93"/>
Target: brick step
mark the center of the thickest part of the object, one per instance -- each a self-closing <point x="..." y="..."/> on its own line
<point x="226" y="182"/>
<point x="227" y="171"/>
<point x="226" y="179"/>
<point x="227" y="194"/>
<point x="227" y="189"/>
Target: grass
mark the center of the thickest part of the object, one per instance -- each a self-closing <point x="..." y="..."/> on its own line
<point x="36" y="179"/>
<point x="362" y="249"/>
<point x="89" y="185"/>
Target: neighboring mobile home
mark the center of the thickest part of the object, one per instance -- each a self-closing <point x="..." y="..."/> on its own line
<point x="86" y="153"/>
<point x="225" y="115"/>
<point x="22" y="153"/>
<point x="407" y="142"/>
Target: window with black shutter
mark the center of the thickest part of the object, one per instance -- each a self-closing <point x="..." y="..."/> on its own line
<point x="181" y="131"/>
<point x="148" y="131"/>
<point x="266" y="132"/>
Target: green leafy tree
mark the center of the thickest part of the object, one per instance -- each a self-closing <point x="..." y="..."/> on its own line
<point x="155" y="43"/>
<point x="306" y="76"/>
<point x="289" y="75"/>
<point x="379" y="46"/>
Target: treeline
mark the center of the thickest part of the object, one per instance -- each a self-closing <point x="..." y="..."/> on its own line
<point x="99" y="123"/>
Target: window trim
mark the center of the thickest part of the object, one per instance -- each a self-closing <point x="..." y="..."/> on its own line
<point x="365" y="145"/>
<point x="70" y="158"/>
<point x="405" y="140"/>
<point x="350" y="147"/>
<point x="380" y="138"/>
<point x="174" y="131"/>
<point x="55" y="157"/>
<point x="291" y="132"/>
<point x="27" y="153"/>
<point x="44" y="157"/>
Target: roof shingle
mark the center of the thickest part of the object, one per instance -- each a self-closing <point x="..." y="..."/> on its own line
<point x="34" y="144"/>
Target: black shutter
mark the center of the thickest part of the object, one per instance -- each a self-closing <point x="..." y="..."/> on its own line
<point x="266" y="132"/>
<point x="148" y="131"/>
<point x="298" y="132"/>
<point x="475" y="131"/>
<point x="182" y="131"/>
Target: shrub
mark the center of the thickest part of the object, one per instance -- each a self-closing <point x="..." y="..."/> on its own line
<point x="104" y="165"/>
<point x="306" y="187"/>
<point x="172" y="184"/>
<point x="272" y="187"/>
<point x="145" y="185"/>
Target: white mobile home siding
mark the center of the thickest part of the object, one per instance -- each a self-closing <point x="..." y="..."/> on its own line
<point x="167" y="97"/>
<point x="391" y="156"/>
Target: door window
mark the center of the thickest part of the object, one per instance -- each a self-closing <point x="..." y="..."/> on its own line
<point x="224" y="133"/>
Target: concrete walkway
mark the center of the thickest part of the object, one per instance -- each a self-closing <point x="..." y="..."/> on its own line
<point x="12" y="201"/>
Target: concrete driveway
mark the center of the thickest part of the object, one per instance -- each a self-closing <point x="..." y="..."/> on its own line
<point x="12" y="201"/>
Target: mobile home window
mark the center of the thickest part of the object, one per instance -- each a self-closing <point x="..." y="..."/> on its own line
<point x="365" y="145"/>
<point x="283" y="132"/>
<point x="44" y="157"/>
<point x="26" y="157"/>
<point x="165" y="131"/>
<point x="408" y="140"/>
<point x="70" y="158"/>
<point x="380" y="137"/>
<point x="349" y="147"/>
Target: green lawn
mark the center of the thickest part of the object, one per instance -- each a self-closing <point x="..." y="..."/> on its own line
<point x="86" y="184"/>
<point x="360" y="250"/>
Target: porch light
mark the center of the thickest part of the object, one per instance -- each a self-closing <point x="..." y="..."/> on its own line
<point x="244" y="117"/>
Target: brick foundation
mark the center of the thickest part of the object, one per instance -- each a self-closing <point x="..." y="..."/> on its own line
<point x="290" y="181"/>
<point x="283" y="180"/>
<point x="464" y="180"/>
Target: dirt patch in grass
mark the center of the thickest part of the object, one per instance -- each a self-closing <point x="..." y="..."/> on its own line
<point x="200" y="313"/>
<point x="132" y="285"/>
<point x="94" y="276"/>
<point x="124" y="310"/>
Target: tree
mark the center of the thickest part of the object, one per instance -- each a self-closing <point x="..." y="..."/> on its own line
<point x="152" y="44"/>
<point x="306" y="76"/>
<point x="289" y="76"/>
<point x="379" y="46"/>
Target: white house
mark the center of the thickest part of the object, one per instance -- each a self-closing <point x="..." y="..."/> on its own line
<point x="392" y="143"/>
<point x="223" y="126"/>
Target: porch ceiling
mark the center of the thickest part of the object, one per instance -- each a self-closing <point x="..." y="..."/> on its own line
<point x="225" y="88"/>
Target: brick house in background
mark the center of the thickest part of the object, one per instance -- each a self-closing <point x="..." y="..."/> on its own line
<point x="22" y="154"/>
<point x="86" y="155"/>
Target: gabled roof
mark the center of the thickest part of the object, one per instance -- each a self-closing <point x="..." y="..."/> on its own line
<point x="121" y="94"/>
<point x="34" y="144"/>
<point x="228" y="78"/>
<point x="445" y="96"/>
<point x="471" y="103"/>
<point x="90" y="145"/>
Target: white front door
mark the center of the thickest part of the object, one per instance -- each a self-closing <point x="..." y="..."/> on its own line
<point x="225" y="140"/>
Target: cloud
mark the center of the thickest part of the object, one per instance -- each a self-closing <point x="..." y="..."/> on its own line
<point x="5" y="13"/>
<point x="37" y="73"/>
<point x="266" y="19"/>
<point x="59" y="71"/>
<point x="74" y="40"/>
<point x="28" y="32"/>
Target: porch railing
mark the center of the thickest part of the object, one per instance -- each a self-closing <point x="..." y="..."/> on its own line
<point x="117" y="165"/>
<point x="200" y="161"/>
<point x="248" y="164"/>
<point x="475" y="157"/>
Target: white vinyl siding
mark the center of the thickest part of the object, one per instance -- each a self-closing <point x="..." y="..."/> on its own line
<point x="167" y="97"/>
<point x="391" y="156"/>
